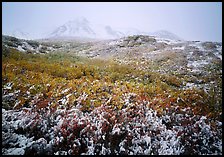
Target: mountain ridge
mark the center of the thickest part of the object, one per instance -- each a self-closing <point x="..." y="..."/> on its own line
<point x="82" y="28"/>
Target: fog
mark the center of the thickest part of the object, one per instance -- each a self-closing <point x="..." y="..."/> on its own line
<point x="190" y="20"/>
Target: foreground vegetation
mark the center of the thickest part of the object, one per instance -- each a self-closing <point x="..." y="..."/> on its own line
<point x="53" y="84"/>
<point x="50" y="77"/>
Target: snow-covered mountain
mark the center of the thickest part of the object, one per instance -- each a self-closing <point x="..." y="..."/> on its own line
<point x="81" y="27"/>
<point x="78" y="27"/>
<point x="18" y="33"/>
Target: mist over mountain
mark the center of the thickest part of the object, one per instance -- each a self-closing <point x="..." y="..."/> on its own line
<point x="81" y="27"/>
<point x="20" y="34"/>
<point x="166" y="34"/>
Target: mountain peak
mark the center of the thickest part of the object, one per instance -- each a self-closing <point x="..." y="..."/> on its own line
<point x="81" y="27"/>
<point x="18" y="33"/>
<point x="78" y="27"/>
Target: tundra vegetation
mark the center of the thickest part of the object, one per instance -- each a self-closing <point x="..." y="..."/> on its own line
<point x="63" y="103"/>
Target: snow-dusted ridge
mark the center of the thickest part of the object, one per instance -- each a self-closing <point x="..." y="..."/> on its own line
<point x="81" y="27"/>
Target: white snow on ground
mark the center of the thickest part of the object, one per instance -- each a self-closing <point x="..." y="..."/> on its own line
<point x="198" y="45"/>
<point x="152" y="54"/>
<point x="179" y="48"/>
<point x="219" y="53"/>
<point x="16" y="151"/>
<point x="28" y="46"/>
<point x="198" y="63"/>
<point x="51" y="49"/>
<point x="191" y="53"/>
<point x="114" y="42"/>
<point x="190" y="85"/>
<point x="65" y="91"/>
<point x="8" y="86"/>
<point x="167" y="41"/>
<point x="136" y="131"/>
<point x="20" y="49"/>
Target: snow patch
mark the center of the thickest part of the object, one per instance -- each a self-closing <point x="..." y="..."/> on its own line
<point x="20" y="48"/>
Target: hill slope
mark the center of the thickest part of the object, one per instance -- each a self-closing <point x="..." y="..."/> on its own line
<point x="137" y="95"/>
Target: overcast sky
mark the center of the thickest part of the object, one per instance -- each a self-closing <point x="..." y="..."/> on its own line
<point x="189" y="20"/>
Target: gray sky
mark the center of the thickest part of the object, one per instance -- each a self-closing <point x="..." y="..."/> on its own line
<point x="189" y="20"/>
